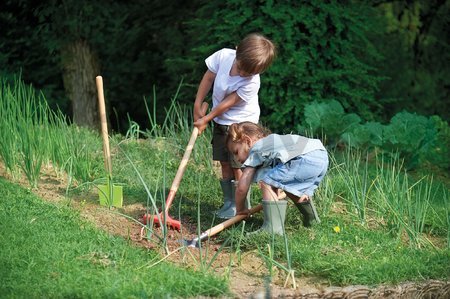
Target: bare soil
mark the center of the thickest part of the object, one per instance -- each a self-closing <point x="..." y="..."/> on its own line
<point x="247" y="273"/>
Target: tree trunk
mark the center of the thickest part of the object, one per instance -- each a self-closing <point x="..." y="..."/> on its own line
<point x="80" y="67"/>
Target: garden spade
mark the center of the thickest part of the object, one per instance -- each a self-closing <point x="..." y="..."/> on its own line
<point x="219" y="227"/>
<point x="164" y="217"/>
<point x="109" y="194"/>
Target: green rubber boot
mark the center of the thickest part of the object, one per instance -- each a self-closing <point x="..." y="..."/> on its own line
<point x="308" y="210"/>
<point x="274" y="216"/>
<point x="229" y="207"/>
<point x="228" y="196"/>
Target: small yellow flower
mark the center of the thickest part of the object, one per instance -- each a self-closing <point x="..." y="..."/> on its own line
<point x="337" y="229"/>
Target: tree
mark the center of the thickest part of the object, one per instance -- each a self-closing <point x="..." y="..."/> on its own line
<point x="22" y="51"/>
<point x="72" y="29"/>
<point x="61" y="46"/>
<point x="415" y="44"/>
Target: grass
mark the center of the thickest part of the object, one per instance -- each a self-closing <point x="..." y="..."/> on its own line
<point x="357" y="255"/>
<point x="48" y="251"/>
<point x="393" y="226"/>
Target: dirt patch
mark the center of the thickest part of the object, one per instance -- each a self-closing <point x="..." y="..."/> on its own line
<point x="247" y="272"/>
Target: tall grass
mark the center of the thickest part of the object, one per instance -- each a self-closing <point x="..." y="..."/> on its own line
<point x="403" y="206"/>
<point x="357" y="181"/>
<point x="9" y="140"/>
<point x="388" y="193"/>
<point x="34" y="135"/>
<point x="177" y="126"/>
<point x="24" y="115"/>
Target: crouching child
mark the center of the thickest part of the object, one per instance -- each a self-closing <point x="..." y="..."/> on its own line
<point x="290" y="165"/>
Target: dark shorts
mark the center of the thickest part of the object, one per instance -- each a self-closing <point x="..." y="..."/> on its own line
<point x="220" y="151"/>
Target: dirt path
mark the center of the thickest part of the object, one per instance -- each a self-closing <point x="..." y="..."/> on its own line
<point x="246" y="272"/>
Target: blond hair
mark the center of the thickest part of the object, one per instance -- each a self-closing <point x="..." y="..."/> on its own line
<point x="238" y="131"/>
<point x="255" y="53"/>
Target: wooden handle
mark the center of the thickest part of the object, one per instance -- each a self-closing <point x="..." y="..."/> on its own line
<point x="184" y="160"/>
<point x="187" y="154"/>
<point x="183" y="164"/>
<point x="104" y="124"/>
<point x="221" y="226"/>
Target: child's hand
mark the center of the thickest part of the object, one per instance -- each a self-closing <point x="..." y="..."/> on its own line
<point x="198" y="113"/>
<point x="201" y="125"/>
<point x="245" y="212"/>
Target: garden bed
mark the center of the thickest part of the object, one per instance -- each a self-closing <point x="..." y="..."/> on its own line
<point x="247" y="272"/>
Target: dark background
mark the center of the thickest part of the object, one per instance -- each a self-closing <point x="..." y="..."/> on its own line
<point x="376" y="58"/>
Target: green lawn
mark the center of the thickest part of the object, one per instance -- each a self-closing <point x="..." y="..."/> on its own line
<point x="47" y="251"/>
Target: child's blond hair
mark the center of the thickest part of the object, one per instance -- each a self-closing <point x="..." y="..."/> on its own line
<point x="255" y="53"/>
<point x="238" y="131"/>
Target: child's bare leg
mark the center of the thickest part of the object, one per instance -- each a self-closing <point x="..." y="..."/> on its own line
<point x="298" y="199"/>
<point x="237" y="173"/>
<point x="271" y="193"/>
<point x="227" y="171"/>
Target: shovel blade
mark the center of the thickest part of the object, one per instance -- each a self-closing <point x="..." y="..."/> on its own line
<point x="190" y="243"/>
<point x="105" y="193"/>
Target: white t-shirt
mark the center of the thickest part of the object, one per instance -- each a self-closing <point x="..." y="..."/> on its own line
<point x="246" y="88"/>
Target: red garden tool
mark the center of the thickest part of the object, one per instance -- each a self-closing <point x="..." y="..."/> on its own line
<point x="163" y="217"/>
<point x="219" y="227"/>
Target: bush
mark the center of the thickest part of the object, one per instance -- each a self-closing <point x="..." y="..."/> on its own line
<point x="323" y="53"/>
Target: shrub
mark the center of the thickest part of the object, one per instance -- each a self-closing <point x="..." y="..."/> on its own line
<point x="323" y="52"/>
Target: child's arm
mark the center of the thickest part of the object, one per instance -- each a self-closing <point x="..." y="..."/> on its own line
<point x="242" y="189"/>
<point x="229" y="101"/>
<point x="203" y="89"/>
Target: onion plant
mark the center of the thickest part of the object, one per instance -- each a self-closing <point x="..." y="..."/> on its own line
<point x="8" y="140"/>
<point x="152" y="207"/>
<point x="447" y="218"/>
<point x="33" y="134"/>
<point x="403" y="206"/>
<point x="357" y="182"/>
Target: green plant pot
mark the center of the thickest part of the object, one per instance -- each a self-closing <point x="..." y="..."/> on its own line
<point x="105" y="193"/>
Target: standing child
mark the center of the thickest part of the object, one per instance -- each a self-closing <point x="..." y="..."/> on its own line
<point x="234" y="76"/>
<point x="292" y="163"/>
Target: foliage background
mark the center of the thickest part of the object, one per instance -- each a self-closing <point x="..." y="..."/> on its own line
<point x="376" y="58"/>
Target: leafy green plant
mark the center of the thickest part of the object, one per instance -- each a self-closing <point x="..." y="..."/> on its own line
<point x="329" y="119"/>
<point x="365" y="136"/>
<point x="410" y="135"/>
<point x="419" y="140"/>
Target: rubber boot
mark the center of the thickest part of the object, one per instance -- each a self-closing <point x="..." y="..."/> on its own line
<point x="229" y="207"/>
<point x="309" y="212"/>
<point x="274" y="216"/>
<point x="228" y="195"/>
